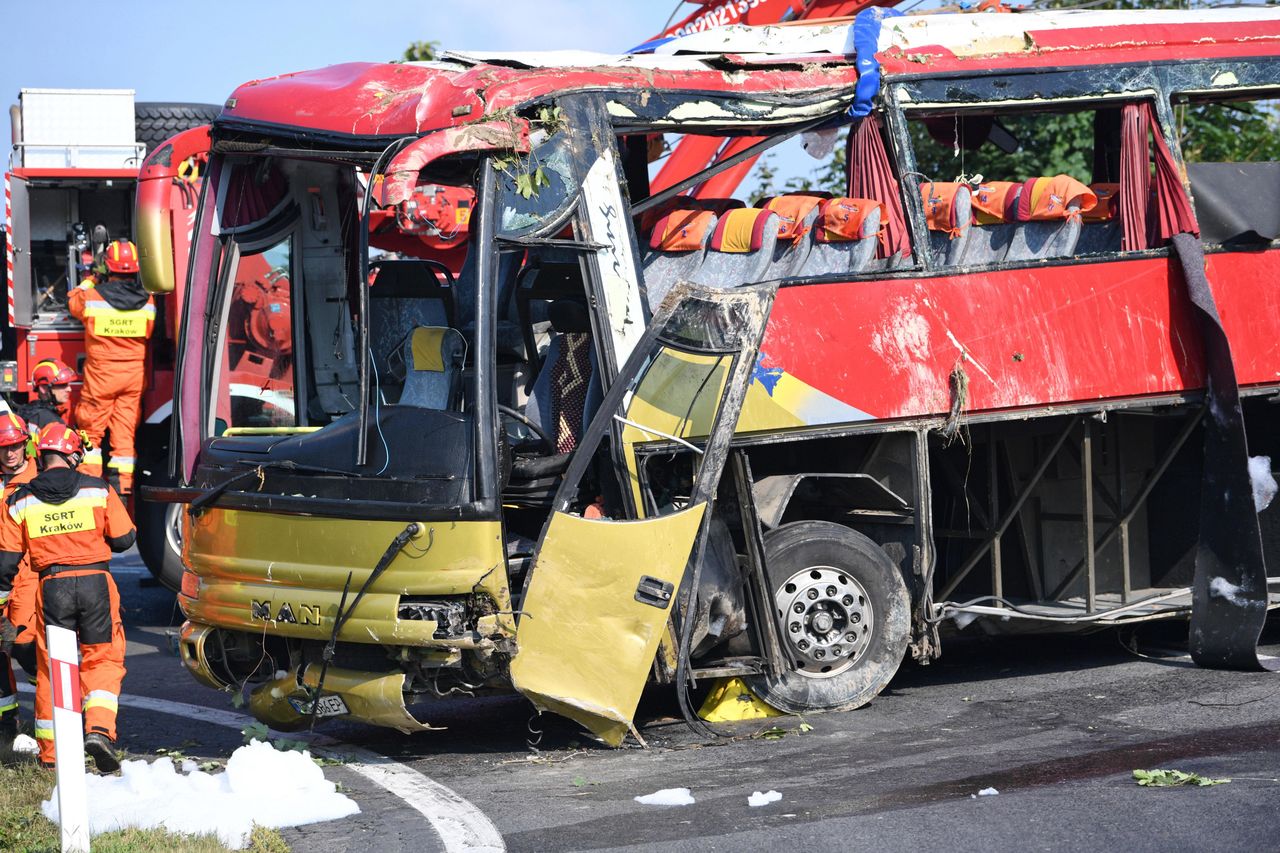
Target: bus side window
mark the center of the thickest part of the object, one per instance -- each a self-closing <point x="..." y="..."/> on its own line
<point x="1231" y="146"/>
<point x="1008" y="186"/>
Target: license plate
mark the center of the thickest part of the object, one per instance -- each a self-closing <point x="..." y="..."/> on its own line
<point x="326" y="706"/>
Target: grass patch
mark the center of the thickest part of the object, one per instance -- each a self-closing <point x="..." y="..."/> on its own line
<point x="23" y="829"/>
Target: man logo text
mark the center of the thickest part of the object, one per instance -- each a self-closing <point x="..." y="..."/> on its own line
<point x="303" y="614"/>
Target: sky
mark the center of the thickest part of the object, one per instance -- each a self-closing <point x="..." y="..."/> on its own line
<point x="202" y="51"/>
<point x="164" y="52"/>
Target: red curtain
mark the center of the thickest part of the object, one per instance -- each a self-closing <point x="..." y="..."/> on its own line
<point x="1149" y="218"/>
<point x="254" y="190"/>
<point x="871" y="176"/>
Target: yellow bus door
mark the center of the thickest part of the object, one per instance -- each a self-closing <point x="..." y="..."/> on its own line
<point x="602" y="589"/>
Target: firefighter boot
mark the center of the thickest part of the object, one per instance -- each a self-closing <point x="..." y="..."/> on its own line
<point x="100" y="748"/>
<point x="8" y="728"/>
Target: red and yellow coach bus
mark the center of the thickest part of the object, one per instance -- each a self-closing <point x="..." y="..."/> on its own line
<point x="665" y="435"/>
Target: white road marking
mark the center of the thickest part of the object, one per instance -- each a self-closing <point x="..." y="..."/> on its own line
<point x="460" y="825"/>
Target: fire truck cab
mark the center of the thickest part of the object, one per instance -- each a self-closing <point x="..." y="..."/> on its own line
<point x="69" y="189"/>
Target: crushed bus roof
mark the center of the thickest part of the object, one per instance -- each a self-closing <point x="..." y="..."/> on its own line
<point x="800" y="64"/>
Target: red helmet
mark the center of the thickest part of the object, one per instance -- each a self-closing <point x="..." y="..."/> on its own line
<point x="13" y="430"/>
<point x="122" y="257"/>
<point x="52" y="372"/>
<point x="59" y="437"/>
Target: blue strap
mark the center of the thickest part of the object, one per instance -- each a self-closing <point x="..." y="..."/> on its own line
<point x="652" y="44"/>
<point x="866" y="40"/>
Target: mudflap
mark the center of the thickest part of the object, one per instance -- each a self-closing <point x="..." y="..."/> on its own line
<point x="1229" y="592"/>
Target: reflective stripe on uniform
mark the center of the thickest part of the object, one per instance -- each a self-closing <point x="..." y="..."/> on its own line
<point x="90" y="497"/>
<point x="100" y="307"/>
<point x="93" y="457"/>
<point x="123" y="464"/>
<point x="8" y="703"/>
<point x="44" y="729"/>
<point x="102" y="699"/>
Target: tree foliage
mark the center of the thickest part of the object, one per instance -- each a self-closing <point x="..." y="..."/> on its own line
<point x="421" y="51"/>
<point x="1050" y="143"/>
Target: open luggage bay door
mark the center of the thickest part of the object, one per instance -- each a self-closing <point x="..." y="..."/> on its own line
<point x="601" y="590"/>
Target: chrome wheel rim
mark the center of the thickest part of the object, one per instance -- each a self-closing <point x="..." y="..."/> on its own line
<point x="826" y="619"/>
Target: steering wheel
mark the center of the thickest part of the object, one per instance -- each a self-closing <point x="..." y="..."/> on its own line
<point x="538" y="431"/>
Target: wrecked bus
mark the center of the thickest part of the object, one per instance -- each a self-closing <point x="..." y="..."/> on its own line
<point x="641" y="435"/>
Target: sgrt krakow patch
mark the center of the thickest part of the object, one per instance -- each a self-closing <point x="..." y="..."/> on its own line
<point x="48" y="519"/>
<point x="121" y="324"/>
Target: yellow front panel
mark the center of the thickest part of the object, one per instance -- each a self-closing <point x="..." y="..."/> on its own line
<point x="286" y="572"/>
<point x="585" y="643"/>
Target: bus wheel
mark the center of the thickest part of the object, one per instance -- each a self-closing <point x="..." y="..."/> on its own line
<point x="160" y="540"/>
<point x="844" y="617"/>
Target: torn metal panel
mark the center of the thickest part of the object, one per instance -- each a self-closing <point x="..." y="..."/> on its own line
<point x="284" y="703"/>
<point x="402" y="173"/>
<point x="1229" y="604"/>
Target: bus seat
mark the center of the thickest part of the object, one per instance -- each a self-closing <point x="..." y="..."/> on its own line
<point x="433" y="377"/>
<point x="797" y="212"/>
<point x="567" y="392"/>
<point x="740" y="250"/>
<point x="844" y="237"/>
<point x="1100" y="232"/>
<point x="948" y="211"/>
<point x="718" y="206"/>
<point x="1098" y="238"/>
<point x="995" y="211"/>
<point x="1049" y="213"/>
<point x="677" y="246"/>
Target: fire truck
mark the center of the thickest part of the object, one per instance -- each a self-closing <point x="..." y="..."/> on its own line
<point x="641" y="435"/>
<point x="68" y="191"/>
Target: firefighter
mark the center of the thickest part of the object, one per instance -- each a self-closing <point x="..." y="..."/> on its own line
<point x="17" y="618"/>
<point x="68" y="524"/>
<point x="118" y="317"/>
<point x="52" y="380"/>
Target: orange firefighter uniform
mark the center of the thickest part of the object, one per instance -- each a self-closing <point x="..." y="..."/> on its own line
<point x="20" y="609"/>
<point x="68" y="524"/>
<point x="118" y="317"/>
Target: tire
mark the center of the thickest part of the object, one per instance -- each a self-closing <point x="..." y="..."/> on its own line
<point x="159" y="542"/>
<point x="154" y="122"/>
<point x="859" y="593"/>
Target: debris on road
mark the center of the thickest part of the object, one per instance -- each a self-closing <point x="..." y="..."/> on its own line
<point x="261" y="785"/>
<point x="1173" y="779"/>
<point x="667" y="797"/>
<point x="988" y="792"/>
<point x="758" y="799"/>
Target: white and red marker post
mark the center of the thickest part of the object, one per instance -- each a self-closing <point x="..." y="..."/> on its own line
<point x="68" y="738"/>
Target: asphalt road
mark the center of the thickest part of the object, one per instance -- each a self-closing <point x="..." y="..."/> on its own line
<point x="1056" y="725"/>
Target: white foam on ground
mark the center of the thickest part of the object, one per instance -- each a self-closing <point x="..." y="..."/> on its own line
<point x="667" y="797"/>
<point x="261" y="785"/>
<point x="988" y="792"/>
<point x="1264" y="482"/>
<point x="758" y="799"/>
<point x="25" y="744"/>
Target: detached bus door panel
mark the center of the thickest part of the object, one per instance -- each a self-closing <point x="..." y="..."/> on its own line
<point x="601" y="591"/>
